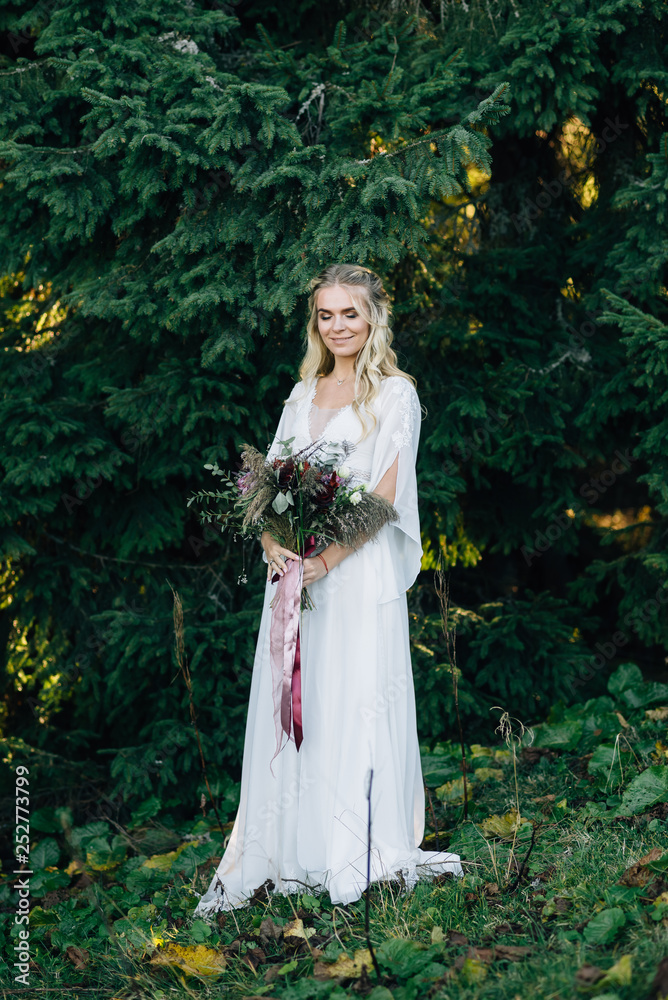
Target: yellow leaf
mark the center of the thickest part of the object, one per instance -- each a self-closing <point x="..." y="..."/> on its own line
<point x="163" y="862"/>
<point x="453" y="791"/>
<point x="477" y="750"/>
<point x="437" y="935"/>
<point x="487" y="773"/>
<point x="194" y="960"/>
<point x="345" y="966"/>
<point x="95" y="865"/>
<point x="502" y="826"/>
<point x="296" y="929"/>
<point x="473" y="970"/>
<point x="618" y="974"/>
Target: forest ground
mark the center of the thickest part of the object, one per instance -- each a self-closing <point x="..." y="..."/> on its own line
<point x="565" y="891"/>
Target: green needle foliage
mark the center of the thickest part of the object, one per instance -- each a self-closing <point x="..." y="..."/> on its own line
<point x="172" y="176"/>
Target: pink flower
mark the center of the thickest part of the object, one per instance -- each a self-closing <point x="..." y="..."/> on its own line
<point x="243" y="482"/>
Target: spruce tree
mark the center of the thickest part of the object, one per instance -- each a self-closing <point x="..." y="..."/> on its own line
<point x="171" y="179"/>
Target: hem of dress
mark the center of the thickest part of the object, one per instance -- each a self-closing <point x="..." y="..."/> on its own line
<point x="410" y="872"/>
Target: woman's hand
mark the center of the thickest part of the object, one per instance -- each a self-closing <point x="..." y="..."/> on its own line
<point x="314" y="569"/>
<point x="277" y="555"/>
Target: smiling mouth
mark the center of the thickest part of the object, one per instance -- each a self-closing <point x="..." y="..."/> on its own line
<point x="340" y="340"/>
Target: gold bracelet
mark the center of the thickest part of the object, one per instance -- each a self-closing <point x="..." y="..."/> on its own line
<point x="320" y="556"/>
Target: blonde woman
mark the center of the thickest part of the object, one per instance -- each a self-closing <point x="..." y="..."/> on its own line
<point x="304" y="823"/>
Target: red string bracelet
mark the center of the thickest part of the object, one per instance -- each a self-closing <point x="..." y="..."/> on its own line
<point x="320" y="556"/>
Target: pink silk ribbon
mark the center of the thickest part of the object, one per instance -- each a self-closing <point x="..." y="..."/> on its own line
<point x="285" y="650"/>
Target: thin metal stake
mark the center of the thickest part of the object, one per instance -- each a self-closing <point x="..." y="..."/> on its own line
<point x="368" y="884"/>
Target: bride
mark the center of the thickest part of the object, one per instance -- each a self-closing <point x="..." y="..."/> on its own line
<point x="304" y="821"/>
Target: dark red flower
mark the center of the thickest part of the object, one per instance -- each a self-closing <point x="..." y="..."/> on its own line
<point x="286" y="472"/>
<point x="325" y="495"/>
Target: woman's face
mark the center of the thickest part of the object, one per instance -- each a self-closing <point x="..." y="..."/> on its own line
<point x="341" y="327"/>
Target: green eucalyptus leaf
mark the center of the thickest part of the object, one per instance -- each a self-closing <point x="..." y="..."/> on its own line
<point x="280" y="503"/>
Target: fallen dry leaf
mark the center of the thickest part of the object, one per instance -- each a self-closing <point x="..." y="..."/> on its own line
<point x="78" y="956"/>
<point x="639" y="874"/>
<point x="512" y="952"/>
<point x="587" y="975"/>
<point x="657" y="714"/>
<point x="254" y="958"/>
<point x="456" y="937"/>
<point x="479" y="954"/>
<point x="348" y="968"/>
<point x="531" y="755"/>
<point x="506" y="928"/>
<point x="442" y="878"/>
<point x="653" y="855"/>
<point x="296" y="929"/>
<point x="269" y="931"/>
<point x="495" y="953"/>
<point x="262" y="893"/>
<point x="54" y="897"/>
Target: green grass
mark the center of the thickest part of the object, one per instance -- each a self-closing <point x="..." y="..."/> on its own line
<point x="554" y="920"/>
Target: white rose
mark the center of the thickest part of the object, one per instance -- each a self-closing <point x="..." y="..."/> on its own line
<point x="343" y="471"/>
<point x="356" y="498"/>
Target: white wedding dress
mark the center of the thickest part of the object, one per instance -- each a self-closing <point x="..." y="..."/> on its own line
<point x="308" y="824"/>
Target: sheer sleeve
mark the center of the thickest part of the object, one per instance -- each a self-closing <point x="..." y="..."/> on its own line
<point x="284" y="429"/>
<point x="399" y="415"/>
<point x="286" y="422"/>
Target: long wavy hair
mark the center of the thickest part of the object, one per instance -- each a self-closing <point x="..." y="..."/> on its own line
<point x="376" y="358"/>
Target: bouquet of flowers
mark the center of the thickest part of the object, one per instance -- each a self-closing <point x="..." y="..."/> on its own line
<point x="299" y="501"/>
<point x="303" y="499"/>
